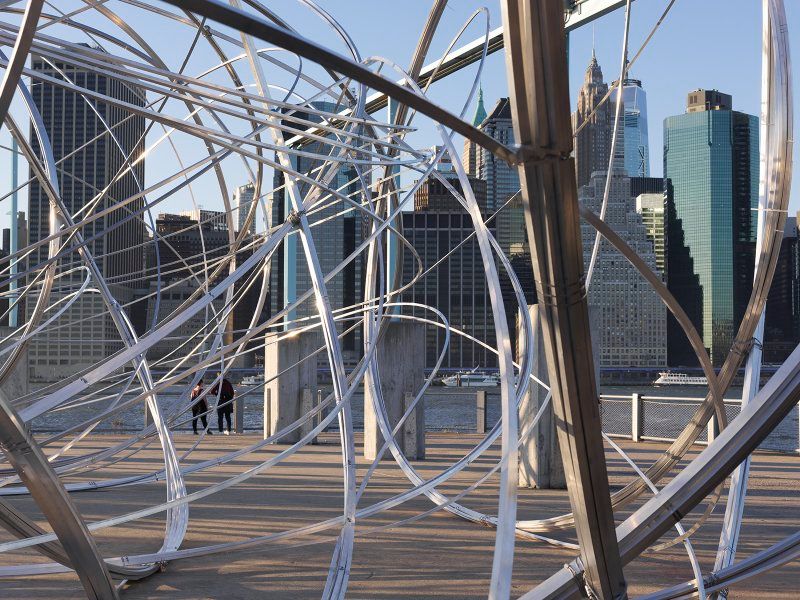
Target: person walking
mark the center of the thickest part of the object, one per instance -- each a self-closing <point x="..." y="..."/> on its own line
<point x="199" y="409"/>
<point x="225" y="395"/>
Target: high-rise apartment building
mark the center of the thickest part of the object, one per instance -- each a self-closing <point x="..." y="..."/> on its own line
<point x="91" y="164"/>
<point x="711" y="158"/>
<point x="243" y="199"/>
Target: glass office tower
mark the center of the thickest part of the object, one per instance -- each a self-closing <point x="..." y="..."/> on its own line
<point x="637" y="147"/>
<point x="711" y="156"/>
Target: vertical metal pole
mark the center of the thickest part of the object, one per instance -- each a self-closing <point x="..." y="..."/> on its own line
<point x="636" y="417"/>
<point x="13" y="317"/>
<point x="538" y="84"/>
<point x="321" y="414"/>
<point x="480" y="416"/>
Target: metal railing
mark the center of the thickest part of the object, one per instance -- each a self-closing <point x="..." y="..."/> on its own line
<point x="641" y="417"/>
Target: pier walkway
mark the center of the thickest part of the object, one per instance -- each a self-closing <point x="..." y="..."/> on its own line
<point x="436" y="557"/>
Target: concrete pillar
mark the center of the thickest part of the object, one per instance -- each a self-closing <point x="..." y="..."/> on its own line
<point x="401" y="360"/>
<point x="283" y="394"/>
<point x="540" y="463"/>
<point x="413" y="436"/>
<point x="480" y="414"/>
<point x="306" y="406"/>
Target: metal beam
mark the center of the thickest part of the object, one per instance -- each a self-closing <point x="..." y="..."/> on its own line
<point x="579" y="14"/>
<point x="536" y="61"/>
<point x="46" y="489"/>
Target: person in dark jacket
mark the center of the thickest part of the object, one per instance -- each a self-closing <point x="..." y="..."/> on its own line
<point x="225" y="394"/>
<point x="199" y="408"/>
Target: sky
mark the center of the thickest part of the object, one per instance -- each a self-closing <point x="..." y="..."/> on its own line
<point x="708" y="44"/>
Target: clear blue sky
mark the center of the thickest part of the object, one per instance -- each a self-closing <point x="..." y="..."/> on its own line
<point x="711" y="44"/>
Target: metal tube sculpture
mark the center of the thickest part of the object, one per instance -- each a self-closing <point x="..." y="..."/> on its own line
<point x="257" y="109"/>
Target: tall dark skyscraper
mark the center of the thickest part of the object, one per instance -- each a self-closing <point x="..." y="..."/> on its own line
<point x="782" y="320"/>
<point x="711" y="157"/>
<point x="457" y="286"/>
<point x="90" y="163"/>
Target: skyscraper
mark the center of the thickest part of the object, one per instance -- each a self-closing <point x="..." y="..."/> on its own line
<point x="243" y="198"/>
<point x="90" y="163"/>
<point x="637" y="146"/>
<point x="502" y="180"/>
<point x="457" y="286"/>
<point x="509" y="224"/>
<point x="628" y="316"/>
<point x="471" y="148"/>
<point x="711" y="157"/>
<point x="185" y="249"/>
<point x="337" y="230"/>
<point x="593" y="141"/>
<point x="782" y="320"/>
<point x="651" y="209"/>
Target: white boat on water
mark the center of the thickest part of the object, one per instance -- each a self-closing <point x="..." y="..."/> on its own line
<point x="670" y="378"/>
<point x="471" y="380"/>
<point x="253" y="380"/>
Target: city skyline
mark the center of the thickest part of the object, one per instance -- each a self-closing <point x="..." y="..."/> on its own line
<point x="667" y="69"/>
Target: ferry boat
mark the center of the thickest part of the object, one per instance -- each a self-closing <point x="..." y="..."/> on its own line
<point x="471" y="380"/>
<point x="253" y="380"/>
<point x="670" y="378"/>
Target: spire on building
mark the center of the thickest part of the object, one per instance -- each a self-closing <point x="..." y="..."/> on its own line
<point x="480" y="111"/>
<point x="594" y="74"/>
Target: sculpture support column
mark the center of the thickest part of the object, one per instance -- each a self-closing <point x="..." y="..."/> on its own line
<point x="540" y="464"/>
<point x="536" y="63"/>
<point x="286" y="378"/>
<point x="401" y="363"/>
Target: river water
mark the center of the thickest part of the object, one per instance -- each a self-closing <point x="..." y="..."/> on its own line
<point x="451" y="409"/>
